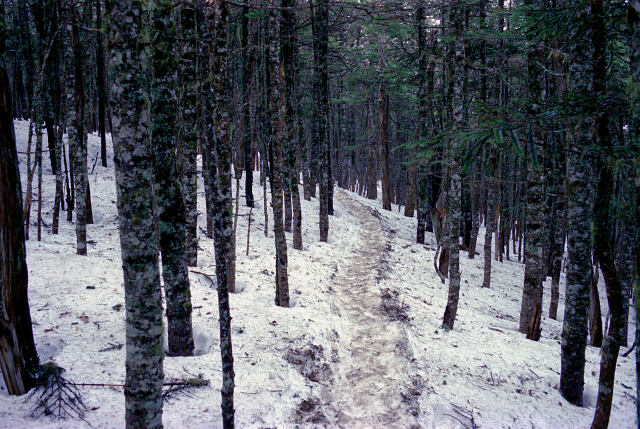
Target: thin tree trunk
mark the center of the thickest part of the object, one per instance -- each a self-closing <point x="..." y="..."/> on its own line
<point x="384" y="138"/>
<point x="277" y="91"/>
<point x="288" y="213"/>
<point x="190" y="108"/>
<point x="288" y="41"/>
<point x="475" y="213"/>
<point x="372" y="160"/>
<point x="246" y="112"/>
<point x="489" y="222"/>
<point x="59" y="197"/>
<point x="77" y="144"/>
<point x="38" y="161"/>
<point x="321" y="77"/>
<point x="454" y="200"/>
<point x="101" y="83"/>
<point x="423" y="183"/>
<point x="219" y="142"/>
<point x="595" y="314"/>
<point x="68" y="167"/>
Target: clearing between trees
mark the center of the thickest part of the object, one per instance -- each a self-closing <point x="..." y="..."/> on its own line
<point x="361" y="346"/>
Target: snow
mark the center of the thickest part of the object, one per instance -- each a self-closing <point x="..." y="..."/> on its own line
<point x="322" y="362"/>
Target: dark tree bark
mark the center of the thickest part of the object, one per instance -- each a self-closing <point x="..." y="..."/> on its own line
<point x="276" y="111"/>
<point x="59" y="197"/>
<point x="18" y="356"/>
<point x="59" y="120"/>
<point x="422" y="179"/>
<point x="454" y="198"/>
<point x="134" y="185"/>
<point x="218" y="142"/>
<point x="532" y="290"/>
<point x="188" y="144"/>
<point x="490" y="218"/>
<point x="246" y="112"/>
<point x="579" y="270"/>
<point x="384" y="137"/>
<point x="168" y="192"/>
<point x="410" y="189"/>
<point x="603" y="223"/>
<point x="475" y="212"/>
<point x="633" y="19"/>
<point x="288" y="40"/>
<point x="372" y="159"/>
<point x="624" y="253"/>
<point x="321" y="77"/>
<point x="102" y="85"/>
<point x="558" y="180"/>
<point x="595" y="314"/>
<point x="288" y="212"/>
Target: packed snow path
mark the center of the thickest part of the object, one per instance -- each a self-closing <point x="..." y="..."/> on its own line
<point x="373" y="350"/>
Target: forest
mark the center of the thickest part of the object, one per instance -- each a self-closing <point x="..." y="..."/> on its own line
<point x="320" y="213"/>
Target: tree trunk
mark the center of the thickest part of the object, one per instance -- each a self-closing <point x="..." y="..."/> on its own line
<point x="277" y="91"/>
<point x="633" y="19"/>
<point x="288" y="212"/>
<point x="603" y="224"/>
<point x="101" y="83"/>
<point x="533" y="276"/>
<point x="219" y="142"/>
<point x="138" y="241"/>
<point x="489" y="221"/>
<point x="475" y="213"/>
<point x="18" y="356"/>
<point x="579" y="215"/>
<point x="170" y="203"/>
<point x="595" y="315"/>
<point x="77" y="142"/>
<point x="288" y="40"/>
<point x="454" y="200"/>
<point x="423" y="183"/>
<point x="372" y="172"/>
<point x="59" y="197"/>
<point x="384" y="138"/>
<point x="410" y="189"/>
<point x="321" y="76"/>
<point x="246" y="112"/>
<point x="189" y="61"/>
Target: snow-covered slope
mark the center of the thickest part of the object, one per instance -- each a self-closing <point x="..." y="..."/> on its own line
<point x="319" y="363"/>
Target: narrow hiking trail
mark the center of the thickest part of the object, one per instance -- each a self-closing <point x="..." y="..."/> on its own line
<point x="371" y="380"/>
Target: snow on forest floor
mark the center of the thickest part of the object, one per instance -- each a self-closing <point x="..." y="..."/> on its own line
<point x="361" y="347"/>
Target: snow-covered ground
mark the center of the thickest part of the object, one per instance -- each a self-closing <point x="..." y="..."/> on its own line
<point x="322" y="362"/>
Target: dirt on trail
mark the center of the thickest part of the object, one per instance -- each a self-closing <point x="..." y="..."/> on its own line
<point x="372" y="384"/>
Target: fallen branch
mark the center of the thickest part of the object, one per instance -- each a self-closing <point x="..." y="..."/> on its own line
<point x="184" y="386"/>
<point x="208" y="276"/>
<point x="111" y="347"/>
<point x="628" y="352"/>
<point x="170" y="388"/>
<point x="56" y="396"/>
